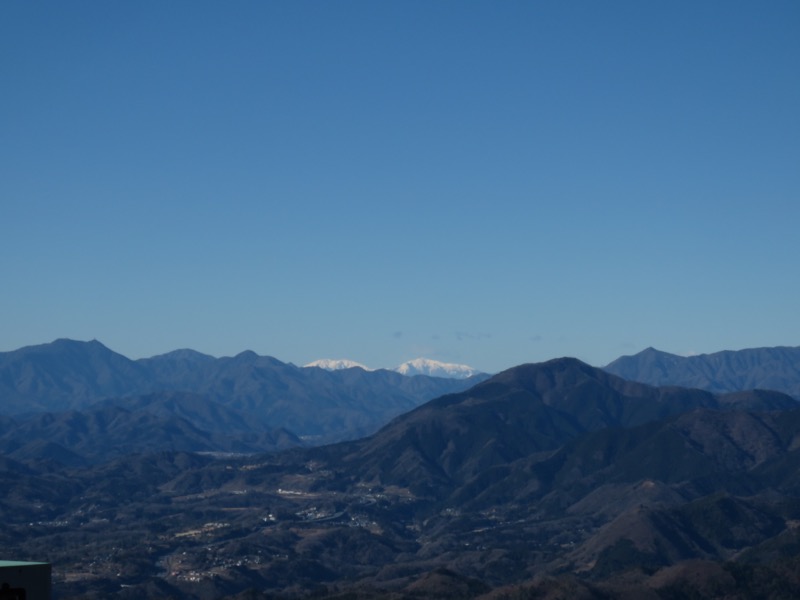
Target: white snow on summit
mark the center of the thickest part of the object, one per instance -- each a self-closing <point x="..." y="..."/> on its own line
<point x="418" y="366"/>
<point x="434" y="368"/>
<point x="332" y="364"/>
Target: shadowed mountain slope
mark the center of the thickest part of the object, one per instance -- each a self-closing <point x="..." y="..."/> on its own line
<point x="699" y="452"/>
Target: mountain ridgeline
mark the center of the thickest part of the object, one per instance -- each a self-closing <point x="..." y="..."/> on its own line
<point x="727" y="371"/>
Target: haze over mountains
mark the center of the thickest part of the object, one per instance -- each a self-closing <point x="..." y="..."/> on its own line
<point x="555" y="479"/>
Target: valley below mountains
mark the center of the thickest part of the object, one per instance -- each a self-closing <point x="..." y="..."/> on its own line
<point x="548" y="480"/>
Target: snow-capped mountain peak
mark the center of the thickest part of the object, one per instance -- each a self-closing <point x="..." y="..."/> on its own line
<point x="434" y="368"/>
<point x="418" y="366"/>
<point x="333" y="364"/>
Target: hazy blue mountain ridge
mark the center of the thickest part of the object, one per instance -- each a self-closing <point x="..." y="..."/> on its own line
<point x="66" y="374"/>
<point x="775" y="368"/>
<point x="317" y="404"/>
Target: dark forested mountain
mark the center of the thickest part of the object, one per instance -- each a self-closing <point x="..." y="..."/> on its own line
<point x="316" y="404"/>
<point x="549" y="480"/>
<point x="728" y="371"/>
<point x="521" y="412"/>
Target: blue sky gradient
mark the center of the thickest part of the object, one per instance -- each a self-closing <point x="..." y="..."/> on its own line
<point x="481" y="182"/>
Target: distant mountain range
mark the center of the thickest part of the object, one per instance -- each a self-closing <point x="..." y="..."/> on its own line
<point x="241" y="403"/>
<point x="418" y="366"/>
<point x="547" y="480"/>
<point x="775" y="368"/>
<point x="80" y="402"/>
<point x="731" y="370"/>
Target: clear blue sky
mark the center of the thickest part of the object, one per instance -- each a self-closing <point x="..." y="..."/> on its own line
<point x="489" y="183"/>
